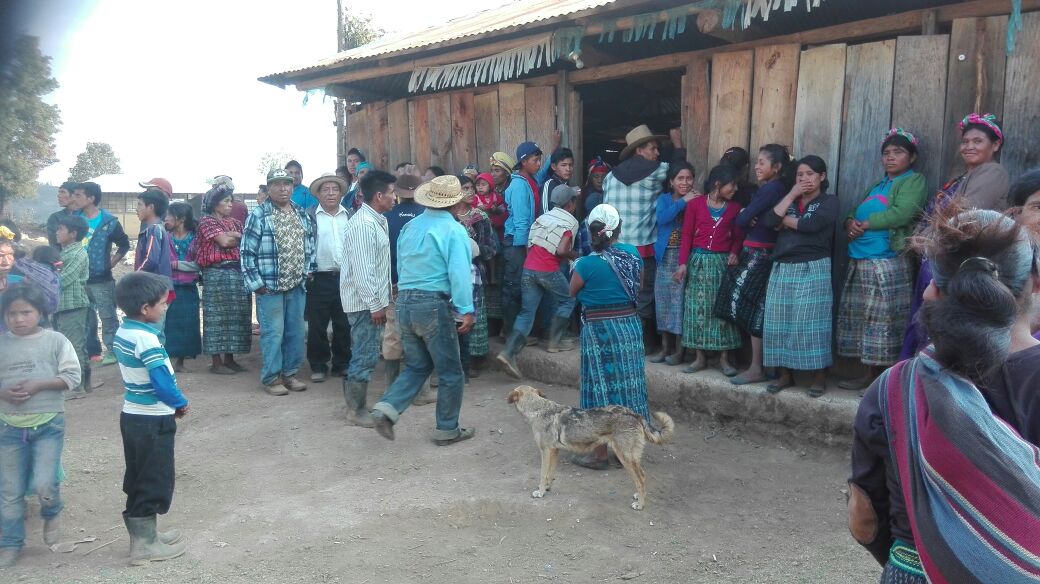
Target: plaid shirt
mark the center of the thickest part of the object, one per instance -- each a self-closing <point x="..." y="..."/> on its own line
<point x="74" y="272"/>
<point x="207" y="252"/>
<point x="260" y="252"/>
<point x="637" y="205"/>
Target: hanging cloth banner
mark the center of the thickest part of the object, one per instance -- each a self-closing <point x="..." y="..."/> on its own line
<point x="503" y="66"/>
<point x="762" y="8"/>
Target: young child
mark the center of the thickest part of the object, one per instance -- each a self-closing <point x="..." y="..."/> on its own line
<point x="153" y="247"/>
<point x="36" y="367"/>
<point x="183" y="336"/>
<point x="151" y="405"/>
<point x="73" y="303"/>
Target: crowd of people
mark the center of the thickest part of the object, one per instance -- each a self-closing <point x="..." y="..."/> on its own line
<point x="420" y="268"/>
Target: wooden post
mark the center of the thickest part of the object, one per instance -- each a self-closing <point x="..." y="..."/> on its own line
<point x="930" y="22"/>
<point x="563" y="91"/>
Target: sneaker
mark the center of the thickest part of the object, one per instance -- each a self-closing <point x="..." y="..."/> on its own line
<point x="318" y="376"/>
<point x="293" y="384"/>
<point x="275" y="388"/>
<point x="108" y="359"/>
<point x="464" y="434"/>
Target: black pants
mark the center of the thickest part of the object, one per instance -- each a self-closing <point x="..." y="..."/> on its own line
<point x="148" y="453"/>
<point x="323" y="305"/>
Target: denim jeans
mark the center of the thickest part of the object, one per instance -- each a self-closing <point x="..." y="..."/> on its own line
<point x="431" y="343"/>
<point x="323" y="306"/>
<point x="28" y="453"/>
<point x="281" y="332"/>
<point x="514" y="257"/>
<point x="103" y="301"/>
<point x="365" y="339"/>
<point x="534" y="287"/>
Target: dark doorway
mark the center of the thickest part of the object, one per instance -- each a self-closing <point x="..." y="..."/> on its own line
<point x="611" y="108"/>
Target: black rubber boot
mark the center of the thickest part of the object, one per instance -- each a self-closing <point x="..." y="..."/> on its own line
<point x="507" y="358"/>
<point x="557" y="342"/>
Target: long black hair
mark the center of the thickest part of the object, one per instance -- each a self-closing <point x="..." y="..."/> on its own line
<point x="598" y="235"/>
<point x="779" y="154"/>
<point x="819" y="167"/>
<point x="27" y="292"/>
<point x="182" y="210"/>
<point x="1026" y="186"/>
<point x="673" y="171"/>
<point x="722" y="174"/>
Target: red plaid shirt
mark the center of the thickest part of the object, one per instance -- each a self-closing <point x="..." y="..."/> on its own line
<point x="208" y="253"/>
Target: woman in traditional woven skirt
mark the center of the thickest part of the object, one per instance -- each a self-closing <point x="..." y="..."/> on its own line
<point x="226" y="306"/>
<point x="493" y="205"/>
<point x="710" y="243"/>
<point x="606" y="284"/>
<point x="800" y="298"/>
<point x="875" y="303"/>
<point x="668" y="291"/>
<point x="183" y="331"/>
<point x="479" y="228"/>
<point x="742" y="296"/>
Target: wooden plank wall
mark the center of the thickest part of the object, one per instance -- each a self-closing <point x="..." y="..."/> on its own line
<point x="575" y="136"/>
<point x="512" y="116"/>
<point x="540" y="116"/>
<point x="463" y="130"/>
<point x="975" y="79"/>
<point x="399" y="142"/>
<point x="485" y="108"/>
<point x="1022" y="100"/>
<point x="731" y="76"/>
<point x="377" y="118"/>
<point x="775" y="96"/>
<point x="419" y="132"/>
<point x="440" y="131"/>
<point x="696" y="114"/>
<point x="918" y="80"/>
<point x="357" y="130"/>
<point x="821" y="91"/>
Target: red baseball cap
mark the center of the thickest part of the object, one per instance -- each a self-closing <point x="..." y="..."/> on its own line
<point x="161" y="184"/>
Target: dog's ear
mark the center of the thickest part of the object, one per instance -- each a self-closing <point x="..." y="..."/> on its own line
<point x="540" y="393"/>
<point x="514" y="396"/>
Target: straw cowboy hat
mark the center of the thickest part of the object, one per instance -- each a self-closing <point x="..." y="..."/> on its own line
<point x="439" y="193"/>
<point x="637" y="137"/>
<point x="318" y="182"/>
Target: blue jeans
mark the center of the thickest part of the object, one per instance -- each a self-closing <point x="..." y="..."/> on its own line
<point x="366" y="338"/>
<point x="103" y="301"/>
<point x="29" y="453"/>
<point x="534" y="286"/>
<point x="431" y="343"/>
<point x="281" y="332"/>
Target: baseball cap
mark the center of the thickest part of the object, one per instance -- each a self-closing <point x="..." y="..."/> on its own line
<point x="158" y="183"/>
<point x="526" y="149"/>
<point x="278" y="174"/>
<point x="563" y="194"/>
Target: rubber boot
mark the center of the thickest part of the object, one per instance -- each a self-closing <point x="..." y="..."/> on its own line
<point x="145" y="545"/>
<point x="428" y="395"/>
<point x="392" y="368"/>
<point x="507" y="358"/>
<point x="356" y="393"/>
<point x="556" y="341"/>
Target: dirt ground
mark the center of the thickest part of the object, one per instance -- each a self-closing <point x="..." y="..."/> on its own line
<point x="278" y="489"/>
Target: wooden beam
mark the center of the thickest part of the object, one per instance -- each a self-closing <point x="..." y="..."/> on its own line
<point x="894" y="24"/>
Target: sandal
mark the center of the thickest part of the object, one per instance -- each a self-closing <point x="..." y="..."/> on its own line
<point x="728" y="370"/>
<point x="234" y="366"/>
<point x="657" y="358"/>
<point x="673" y="359"/>
<point x="775" y="388"/>
<point x="222" y="370"/>
<point x="741" y="380"/>
<point x="695" y="367"/>
<point x="816" y="391"/>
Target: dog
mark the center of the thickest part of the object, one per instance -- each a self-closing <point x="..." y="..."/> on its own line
<point x="557" y="427"/>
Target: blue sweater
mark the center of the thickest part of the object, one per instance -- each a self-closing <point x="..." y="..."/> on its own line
<point x="762" y="203"/>
<point x="668" y="212"/>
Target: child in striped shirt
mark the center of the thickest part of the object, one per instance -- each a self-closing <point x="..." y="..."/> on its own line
<point x="151" y="404"/>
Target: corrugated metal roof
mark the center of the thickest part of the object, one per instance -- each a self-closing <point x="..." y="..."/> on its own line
<point x="511" y="16"/>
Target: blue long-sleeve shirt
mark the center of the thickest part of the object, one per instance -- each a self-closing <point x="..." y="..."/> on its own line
<point x="153" y="252"/>
<point x="433" y="254"/>
<point x="151" y="388"/>
<point x="303" y="198"/>
<point x="520" y="200"/>
<point x="668" y="211"/>
<point x="762" y="203"/>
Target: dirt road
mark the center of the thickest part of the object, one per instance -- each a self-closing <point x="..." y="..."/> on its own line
<point x="277" y="489"/>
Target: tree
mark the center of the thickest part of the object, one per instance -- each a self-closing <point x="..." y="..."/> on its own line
<point x="354" y="29"/>
<point x="96" y="160"/>
<point x="27" y="124"/>
<point x="272" y="160"/>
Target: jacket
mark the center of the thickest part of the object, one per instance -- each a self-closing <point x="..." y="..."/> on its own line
<point x="906" y="197"/>
<point x="548" y="230"/>
<point x="99" y="250"/>
<point x="259" y="251"/>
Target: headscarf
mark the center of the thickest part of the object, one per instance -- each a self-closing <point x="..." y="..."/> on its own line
<point x="900" y="132"/>
<point x="222" y="187"/>
<point x="987" y="120"/>
<point x="6" y="233"/>
<point x="362" y="166"/>
<point x="503" y="161"/>
<point x="627" y="267"/>
<point x="597" y="165"/>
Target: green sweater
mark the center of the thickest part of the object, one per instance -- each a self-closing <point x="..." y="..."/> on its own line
<point x="906" y="198"/>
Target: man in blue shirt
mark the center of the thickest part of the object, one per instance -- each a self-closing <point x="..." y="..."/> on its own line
<point x="434" y="305"/>
<point x="301" y="195"/>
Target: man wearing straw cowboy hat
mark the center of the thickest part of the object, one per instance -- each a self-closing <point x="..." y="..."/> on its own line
<point x="632" y="188"/>
<point x="434" y="305"/>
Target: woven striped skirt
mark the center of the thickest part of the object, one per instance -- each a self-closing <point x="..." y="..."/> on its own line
<point x="875" y="307"/>
<point x="701" y="328"/>
<point x="493" y="292"/>
<point x="668" y="294"/>
<point x="742" y="296"/>
<point x="226" y="312"/>
<point x="478" y="337"/>
<point x="183" y="332"/>
<point x="612" y="359"/>
<point x="799" y="305"/>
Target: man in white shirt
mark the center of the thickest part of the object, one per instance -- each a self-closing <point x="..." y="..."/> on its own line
<point x="365" y="288"/>
<point x="323" y="298"/>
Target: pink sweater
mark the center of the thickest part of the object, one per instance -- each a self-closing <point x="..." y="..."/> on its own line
<point x="700" y="231"/>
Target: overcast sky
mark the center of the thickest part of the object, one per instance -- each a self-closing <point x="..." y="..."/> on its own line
<point x="171" y="85"/>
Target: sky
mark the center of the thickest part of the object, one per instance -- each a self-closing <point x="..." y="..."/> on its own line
<point x="172" y="85"/>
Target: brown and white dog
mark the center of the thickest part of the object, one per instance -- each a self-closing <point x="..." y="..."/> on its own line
<point x="557" y="427"/>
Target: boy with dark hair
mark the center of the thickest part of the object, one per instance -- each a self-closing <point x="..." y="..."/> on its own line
<point x="561" y="161"/>
<point x="153" y="243"/>
<point x="73" y="303"/>
<point x="65" y="202"/>
<point x="152" y="404"/>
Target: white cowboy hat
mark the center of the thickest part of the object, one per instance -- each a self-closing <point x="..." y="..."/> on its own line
<point x="316" y="185"/>
<point x="637" y="137"/>
<point x="439" y="193"/>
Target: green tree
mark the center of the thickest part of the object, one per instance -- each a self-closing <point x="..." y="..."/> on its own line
<point x="96" y="160"/>
<point x="272" y="160"/>
<point x="27" y="124"/>
<point x="355" y="29"/>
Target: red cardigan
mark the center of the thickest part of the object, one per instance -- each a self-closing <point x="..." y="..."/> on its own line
<point x="699" y="230"/>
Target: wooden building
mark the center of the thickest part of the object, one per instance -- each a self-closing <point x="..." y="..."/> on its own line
<point x="827" y="77"/>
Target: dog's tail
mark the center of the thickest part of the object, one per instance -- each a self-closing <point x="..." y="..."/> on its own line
<point x="663" y="432"/>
